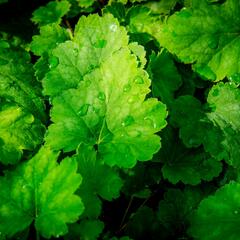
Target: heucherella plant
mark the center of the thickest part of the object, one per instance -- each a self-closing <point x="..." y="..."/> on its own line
<point x="119" y="119"/>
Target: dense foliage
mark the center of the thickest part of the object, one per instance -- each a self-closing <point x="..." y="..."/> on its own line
<point x="119" y="119"/>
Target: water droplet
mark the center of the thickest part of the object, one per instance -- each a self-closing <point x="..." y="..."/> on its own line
<point x="139" y="80"/>
<point x="57" y="236"/>
<point x="29" y="119"/>
<point x="126" y="87"/>
<point x="150" y="122"/>
<point x="128" y="121"/>
<point x="53" y="62"/>
<point x="3" y="61"/>
<point x="83" y="110"/>
<point x="24" y="186"/>
<point x="101" y="96"/>
<point x="75" y="52"/>
<point x="130" y="100"/>
<point x="235" y="212"/>
<point x="213" y="43"/>
<point x="100" y="43"/>
<point x="113" y="27"/>
<point x="215" y="92"/>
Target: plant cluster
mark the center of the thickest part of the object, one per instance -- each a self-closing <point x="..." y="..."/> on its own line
<point x="120" y="119"/>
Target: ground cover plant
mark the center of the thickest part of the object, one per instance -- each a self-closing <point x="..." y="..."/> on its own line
<point x="120" y="119"/>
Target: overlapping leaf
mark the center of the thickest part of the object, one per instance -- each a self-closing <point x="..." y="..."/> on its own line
<point x="100" y="95"/>
<point x="51" y="13"/>
<point x="17" y="82"/>
<point x="94" y="185"/>
<point x="19" y="130"/>
<point x="42" y="191"/>
<point x="184" y="164"/>
<point x="207" y="36"/>
<point x="218" y="216"/>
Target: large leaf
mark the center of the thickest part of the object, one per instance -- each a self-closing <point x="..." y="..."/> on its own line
<point x="217" y="216"/>
<point x="187" y="165"/>
<point x="207" y="36"/>
<point x="42" y="191"/>
<point x="101" y="96"/>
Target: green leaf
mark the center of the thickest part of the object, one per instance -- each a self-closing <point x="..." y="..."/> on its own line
<point x="217" y="216"/>
<point x="140" y="19"/>
<point x="86" y="230"/>
<point x="207" y="36"/>
<point x="102" y="96"/>
<point x="94" y="185"/>
<point x="17" y="82"/>
<point x="162" y="6"/>
<point x="224" y="100"/>
<point x="189" y="166"/>
<point x="85" y="3"/>
<point x="50" y="36"/>
<point x="118" y="10"/>
<point x="19" y="131"/>
<point x="90" y="47"/>
<point x="40" y="190"/>
<point x="139" y="179"/>
<point x="195" y="127"/>
<point x="143" y="223"/>
<point x="90" y="230"/>
<point x="139" y="51"/>
<point x="175" y="211"/>
<point x="165" y="77"/>
<point x="51" y="13"/>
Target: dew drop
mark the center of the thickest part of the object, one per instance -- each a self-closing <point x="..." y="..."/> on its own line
<point x="24" y="186"/>
<point x="139" y="80"/>
<point x="213" y="43"/>
<point x="130" y="100"/>
<point x="126" y="88"/>
<point x="101" y="96"/>
<point x="29" y="119"/>
<point x="128" y="121"/>
<point x="100" y="43"/>
<point x="53" y="62"/>
<point x="113" y="27"/>
<point x="83" y="110"/>
<point x="150" y="122"/>
<point x="235" y="212"/>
